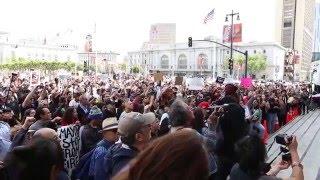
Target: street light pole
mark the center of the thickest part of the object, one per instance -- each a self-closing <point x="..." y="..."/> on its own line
<point x="231" y="40"/>
<point x="241" y="52"/>
<point x="231" y="34"/>
<point x="246" y="64"/>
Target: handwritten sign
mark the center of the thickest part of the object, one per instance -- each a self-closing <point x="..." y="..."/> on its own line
<point x="158" y="77"/>
<point x="178" y="80"/>
<point x="195" y="83"/>
<point x="246" y="82"/>
<point x="220" y="80"/>
<point x="70" y="143"/>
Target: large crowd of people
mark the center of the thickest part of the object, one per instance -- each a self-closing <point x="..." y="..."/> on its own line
<point x="129" y="127"/>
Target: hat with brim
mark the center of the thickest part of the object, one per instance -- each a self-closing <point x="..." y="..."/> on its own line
<point x="109" y="124"/>
<point x="133" y="122"/>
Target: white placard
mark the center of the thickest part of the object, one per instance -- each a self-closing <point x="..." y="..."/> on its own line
<point x="70" y="143"/>
<point x="195" y="83"/>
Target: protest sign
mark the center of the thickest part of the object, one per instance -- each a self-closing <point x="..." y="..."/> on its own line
<point x="158" y="77"/>
<point x="220" y="80"/>
<point x="195" y="83"/>
<point x="70" y="143"/>
<point x="178" y="80"/>
<point x="246" y="82"/>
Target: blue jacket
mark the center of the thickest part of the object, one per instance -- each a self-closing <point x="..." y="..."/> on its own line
<point x="90" y="164"/>
<point x="117" y="158"/>
<point x="96" y="169"/>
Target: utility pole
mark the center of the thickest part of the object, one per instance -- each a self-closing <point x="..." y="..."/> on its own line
<point x="231" y="35"/>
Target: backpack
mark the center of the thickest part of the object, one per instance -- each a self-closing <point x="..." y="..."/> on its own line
<point x="82" y="169"/>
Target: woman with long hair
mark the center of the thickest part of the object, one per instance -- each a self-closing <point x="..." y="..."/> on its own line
<point x="231" y="128"/>
<point x="186" y="158"/>
<point x="198" y="122"/>
<point x="252" y="156"/>
<point x="69" y="117"/>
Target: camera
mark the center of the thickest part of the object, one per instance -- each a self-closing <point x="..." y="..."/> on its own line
<point x="283" y="139"/>
<point x="286" y="157"/>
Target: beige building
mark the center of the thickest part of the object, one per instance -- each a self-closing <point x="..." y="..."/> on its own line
<point x="296" y="32"/>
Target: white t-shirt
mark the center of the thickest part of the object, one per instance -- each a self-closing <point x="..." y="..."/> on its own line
<point x="73" y="103"/>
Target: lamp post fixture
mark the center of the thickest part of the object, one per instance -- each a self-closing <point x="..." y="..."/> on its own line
<point x="231" y="34"/>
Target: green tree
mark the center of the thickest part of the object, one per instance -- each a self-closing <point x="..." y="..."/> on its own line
<point x="135" y="69"/>
<point x="257" y="63"/>
<point x="239" y="60"/>
<point x="123" y="66"/>
<point x="46" y="66"/>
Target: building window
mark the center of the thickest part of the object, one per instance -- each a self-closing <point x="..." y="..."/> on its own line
<point x="202" y="61"/>
<point x="165" y="62"/>
<point x="182" y="62"/>
<point x="287" y="24"/>
<point x="227" y="52"/>
<point x="255" y="52"/>
<point x="264" y="51"/>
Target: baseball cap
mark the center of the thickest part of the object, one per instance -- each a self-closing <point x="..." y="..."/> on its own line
<point x="109" y="123"/>
<point x="95" y="114"/>
<point x="204" y="105"/>
<point x="133" y="122"/>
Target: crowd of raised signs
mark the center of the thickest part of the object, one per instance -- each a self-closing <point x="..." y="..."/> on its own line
<point x="129" y="127"/>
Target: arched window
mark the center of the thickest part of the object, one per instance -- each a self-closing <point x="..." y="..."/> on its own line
<point x="182" y="62"/>
<point x="202" y="62"/>
<point x="164" y="62"/>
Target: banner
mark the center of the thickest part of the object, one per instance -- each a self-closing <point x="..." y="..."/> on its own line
<point x="70" y="143"/>
<point x="195" y="83"/>
<point x="246" y="82"/>
<point x="237" y="33"/>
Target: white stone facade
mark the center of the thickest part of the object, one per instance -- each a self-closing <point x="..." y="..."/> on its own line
<point x="204" y="58"/>
<point x="35" y="50"/>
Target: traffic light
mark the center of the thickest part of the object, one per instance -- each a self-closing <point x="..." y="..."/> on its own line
<point x="230" y="64"/>
<point x="85" y="66"/>
<point x="190" y="41"/>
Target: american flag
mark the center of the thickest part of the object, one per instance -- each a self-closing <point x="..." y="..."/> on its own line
<point x="209" y="16"/>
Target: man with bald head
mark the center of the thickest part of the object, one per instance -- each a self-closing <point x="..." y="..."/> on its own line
<point x="47" y="133"/>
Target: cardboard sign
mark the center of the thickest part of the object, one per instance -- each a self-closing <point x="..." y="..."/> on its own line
<point x="246" y="82"/>
<point x="178" y="80"/>
<point x="158" y="77"/>
<point x="220" y="80"/>
<point x="195" y="83"/>
<point x="70" y="143"/>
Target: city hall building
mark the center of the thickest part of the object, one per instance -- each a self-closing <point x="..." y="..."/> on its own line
<point x="205" y="58"/>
